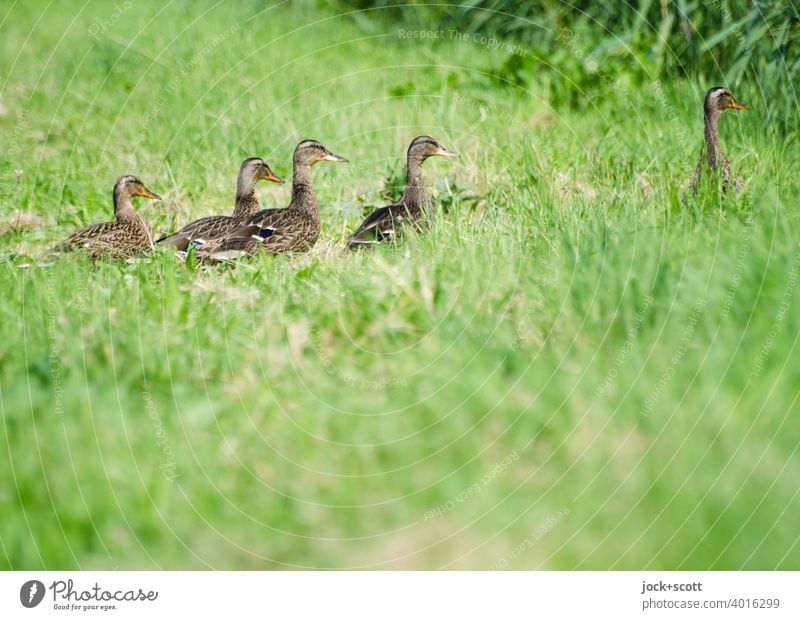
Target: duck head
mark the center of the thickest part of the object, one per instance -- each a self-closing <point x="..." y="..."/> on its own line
<point x="255" y="169"/>
<point x="309" y="152"/>
<point x="128" y="186"/>
<point x="423" y="147"/>
<point x="719" y="99"/>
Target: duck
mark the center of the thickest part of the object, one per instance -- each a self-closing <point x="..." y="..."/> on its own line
<point x="294" y="228"/>
<point x="127" y="235"/>
<point x="717" y="100"/>
<point x="414" y="208"/>
<point x="252" y="170"/>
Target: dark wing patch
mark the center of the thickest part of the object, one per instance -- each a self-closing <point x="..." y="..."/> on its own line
<point x="264" y="233"/>
<point x="252" y="231"/>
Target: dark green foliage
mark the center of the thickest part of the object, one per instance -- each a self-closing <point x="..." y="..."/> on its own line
<point x="752" y="47"/>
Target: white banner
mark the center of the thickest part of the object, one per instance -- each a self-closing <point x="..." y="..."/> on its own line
<point x="399" y="595"/>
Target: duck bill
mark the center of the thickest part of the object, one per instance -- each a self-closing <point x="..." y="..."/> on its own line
<point x="148" y="194"/>
<point x="334" y="158"/>
<point x="735" y="105"/>
<point x="443" y="152"/>
<point x="274" y="178"/>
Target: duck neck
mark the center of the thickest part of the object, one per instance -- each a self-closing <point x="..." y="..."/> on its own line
<point x="123" y="207"/>
<point x="712" y="137"/>
<point x="246" y="199"/>
<point x="415" y="193"/>
<point x="303" y="196"/>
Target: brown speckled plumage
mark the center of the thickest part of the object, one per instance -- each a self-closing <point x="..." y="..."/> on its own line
<point x="718" y="99"/>
<point x="128" y="235"/>
<point x="215" y="227"/>
<point x="414" y="207"/>
<point x="293" y="229"/>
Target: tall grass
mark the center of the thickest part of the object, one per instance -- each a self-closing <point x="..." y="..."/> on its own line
<point x="753" y="47"/>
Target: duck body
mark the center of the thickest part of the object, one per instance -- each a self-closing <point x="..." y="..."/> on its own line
<point x="414" y="208"/>
<point x="295" y="228"/>
<point x="214" y="227"/>
<point x="129" y="234"/>
<point x="712" y="158"/>
<point x="386" y="223"/>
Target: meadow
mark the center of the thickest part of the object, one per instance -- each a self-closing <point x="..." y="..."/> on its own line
<point x="582" y="366"/>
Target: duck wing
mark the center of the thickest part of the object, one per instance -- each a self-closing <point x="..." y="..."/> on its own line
<point x="272" y="230"/>
<point x="107" y="238"/>
<point x="381" y="225"/>
<point x="199" y="232"/>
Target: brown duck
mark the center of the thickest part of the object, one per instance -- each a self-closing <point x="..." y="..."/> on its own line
<point x="718" y="99"/>
<point x="129" y="234"/>
<point x="414" y="207"/>
<point x="214" y="227"/>
<point x="293" y="229"/>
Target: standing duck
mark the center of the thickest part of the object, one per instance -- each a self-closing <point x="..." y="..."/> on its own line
<point x="129" y="234"/>
<point x="717" y="100"/>
<point x="293" y="229"/>
<point x="414" y="207"/>
<point x="207" y="229"/>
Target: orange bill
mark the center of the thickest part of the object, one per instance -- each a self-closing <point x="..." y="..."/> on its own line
<point x="443" y="152"/>
<point x="148" y="194"/>
<point x="334" y="158"/>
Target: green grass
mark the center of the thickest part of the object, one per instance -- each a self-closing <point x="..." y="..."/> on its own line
<point x="577" y="368"/>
